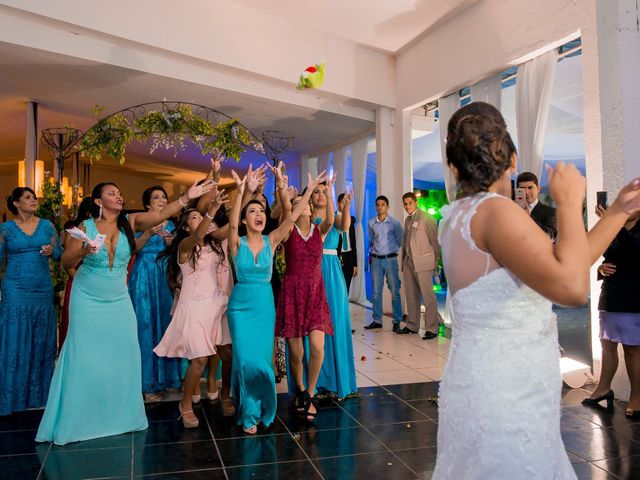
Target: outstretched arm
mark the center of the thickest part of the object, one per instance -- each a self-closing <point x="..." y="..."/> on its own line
<point x="280" y="233"/>
<point x="186" y="246"/>
<point x="142" y="221"/>
<point x="343" y="221"/>
<point x="613" y="219"/>
<point x="234" y="218"/>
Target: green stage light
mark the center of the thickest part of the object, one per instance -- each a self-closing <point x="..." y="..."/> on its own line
<point x="431" y="211"/>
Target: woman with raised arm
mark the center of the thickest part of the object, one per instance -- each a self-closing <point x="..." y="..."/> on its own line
<point x="152" y="300"/>
<point x="499" y="402"/>
<point x="27" y="316"/>
<point x="198" y="327"/>
<point x="302" y="309"/>
<point x="251" y="310"/>
<point x="96" y="389"/>
<point x="338" y="373"/>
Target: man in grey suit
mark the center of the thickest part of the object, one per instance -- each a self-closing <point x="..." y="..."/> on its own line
<point x="420" y="254"/>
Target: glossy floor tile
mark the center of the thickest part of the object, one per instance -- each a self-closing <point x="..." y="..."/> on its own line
<point x="388" y="431"/>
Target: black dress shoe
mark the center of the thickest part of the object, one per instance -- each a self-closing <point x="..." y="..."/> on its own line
<point x="429" y="335"/>
<point x="595" y="402"/>
<point x="396" y="327"/>
<point x="404" y="331"/>
<point x="373" y="325"/>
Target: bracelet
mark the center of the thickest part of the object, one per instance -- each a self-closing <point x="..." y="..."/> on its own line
<point x="206" y="214"/>
<point x="180" y="202"/>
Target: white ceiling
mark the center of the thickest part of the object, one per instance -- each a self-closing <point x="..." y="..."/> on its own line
<point x="387" y="25"/>
<point x="565" y="128"/>
<point x="66" y="88"/>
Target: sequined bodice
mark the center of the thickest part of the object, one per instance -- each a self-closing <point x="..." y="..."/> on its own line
<point x="99" y="262"/>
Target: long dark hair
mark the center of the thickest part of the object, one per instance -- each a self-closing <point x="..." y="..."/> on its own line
<point x="123" y="223"/>
<point x="84" y="212"/>
<point x="15" y="196"/>
<point x="172" y="251"/>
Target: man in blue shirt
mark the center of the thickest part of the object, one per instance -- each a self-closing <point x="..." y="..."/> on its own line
<point x="385" y="240"/>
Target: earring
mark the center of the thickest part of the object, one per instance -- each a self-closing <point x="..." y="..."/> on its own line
<point x="100" y="213"/>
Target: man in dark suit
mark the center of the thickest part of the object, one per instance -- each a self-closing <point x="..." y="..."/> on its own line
<point x="544" y="215"/>
<point x="348" y="254"/>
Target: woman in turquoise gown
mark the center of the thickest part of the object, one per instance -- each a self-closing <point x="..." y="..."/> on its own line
<point x="152" y="300"/>
<point x="96" y="389"/>
<point x="27" y="314"/>
<point x="251" y="311"/>
<point x="338" y="373"/>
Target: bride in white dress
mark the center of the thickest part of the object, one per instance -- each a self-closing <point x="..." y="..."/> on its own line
<point x="499" y="401"/>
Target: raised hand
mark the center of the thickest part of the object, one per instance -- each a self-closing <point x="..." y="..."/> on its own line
<point x="196" y="191"/>
<point x="312" y="183"/>
<point x="240" y="182"/>
<point x="566" y="184"/>
<point x="219" y="198"/>
<point x="216" y="162"/>
<point x="346" y="200"/>
<point x="331" y="180"/>
<point x="629" y="197"/>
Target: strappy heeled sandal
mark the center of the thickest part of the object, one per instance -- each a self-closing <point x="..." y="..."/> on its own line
<point x="186" y="421"/>
<point x="297" y="405"/>
<point x="251" y="430"/>
<point x="308" y="402"/>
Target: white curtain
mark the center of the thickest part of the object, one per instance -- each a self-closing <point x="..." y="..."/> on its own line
<point x="323" y="163"/>
<point x="340" y="167"/>
<point x="447" y="106"/>
<point x="358" y="292"/>
<point x="488" y="90"/>
<point x="307" y="165"/>
<point x="534" y="83"/>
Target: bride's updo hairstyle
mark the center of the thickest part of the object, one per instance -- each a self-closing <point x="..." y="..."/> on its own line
<point x="479" y="146"/>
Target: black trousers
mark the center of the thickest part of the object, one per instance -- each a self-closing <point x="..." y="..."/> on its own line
<point x="347" y="269"/>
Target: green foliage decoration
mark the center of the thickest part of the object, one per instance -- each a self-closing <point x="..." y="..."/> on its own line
<point x="167" y="129"/>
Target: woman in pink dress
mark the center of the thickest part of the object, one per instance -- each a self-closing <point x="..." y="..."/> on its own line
<point x="197" y="327"/>
<point x="302" y="309"/>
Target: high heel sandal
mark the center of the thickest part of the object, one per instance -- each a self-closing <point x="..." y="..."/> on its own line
<point x="251" y="430"/>
<point x="308" y="402"/>
<point x="595" y="402"/>
<point x="297" y="406"/>
<point x="188" y="422"/>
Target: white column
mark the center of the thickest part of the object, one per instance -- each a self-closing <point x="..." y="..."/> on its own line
<point x="447" y="106"/>
<point x="611" y="49"/>
<point x="394" y="171"/>
<point x="31" y="144"/>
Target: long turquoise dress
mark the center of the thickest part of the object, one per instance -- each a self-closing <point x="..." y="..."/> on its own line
<point x="96" y="389"/>
<point x="338" y="373"/>
<point x="27" y="317"/>
<point x="252" y="316"/>
<point x="152" y="301"/>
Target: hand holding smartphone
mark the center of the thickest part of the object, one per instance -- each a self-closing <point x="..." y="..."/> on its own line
<point x="601" y="199"/>
<point x="520" y="197"/>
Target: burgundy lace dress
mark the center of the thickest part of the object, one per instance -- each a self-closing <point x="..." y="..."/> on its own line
<point x="302" y="305"/>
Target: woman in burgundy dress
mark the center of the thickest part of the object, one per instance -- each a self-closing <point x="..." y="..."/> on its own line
<point x="302" y="309"/>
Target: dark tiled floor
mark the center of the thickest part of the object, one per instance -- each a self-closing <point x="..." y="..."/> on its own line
<point x="386" y="432"/>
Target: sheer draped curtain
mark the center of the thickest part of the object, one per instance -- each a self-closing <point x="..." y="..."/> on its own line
<point x="340" y="167"/>
<point x="358" y="292"/>
<point x="488" y="90"/>
<point x="534" y="84"/>
<point x="447" y="106"/>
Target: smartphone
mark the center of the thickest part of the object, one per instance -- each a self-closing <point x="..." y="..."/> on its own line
<point x="601" y="199"/>
<point x="520" y="197"/>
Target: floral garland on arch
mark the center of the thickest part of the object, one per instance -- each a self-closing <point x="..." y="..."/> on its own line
<point x="167" y="129"/>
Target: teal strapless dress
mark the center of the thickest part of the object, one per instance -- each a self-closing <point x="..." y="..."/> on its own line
<point x="252" y="316"/>
<point x="96" y="390"/>
<point x="338" y="373"/>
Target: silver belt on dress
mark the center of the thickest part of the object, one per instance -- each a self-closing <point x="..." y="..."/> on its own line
<point x="330" y="251"/>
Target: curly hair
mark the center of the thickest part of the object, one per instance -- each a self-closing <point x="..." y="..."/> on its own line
<point x="479" y="146"/>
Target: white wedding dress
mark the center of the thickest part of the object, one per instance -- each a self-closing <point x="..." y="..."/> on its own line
<point x="499" y="400"/>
